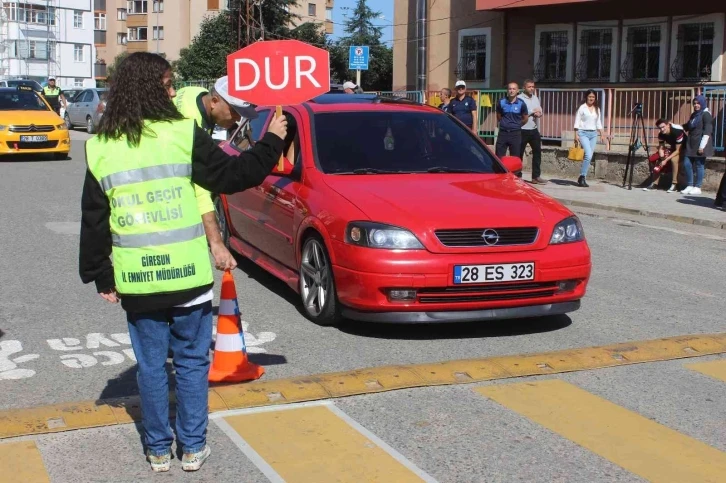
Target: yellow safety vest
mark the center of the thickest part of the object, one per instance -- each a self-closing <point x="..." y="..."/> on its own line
<point x="159" y="245"/>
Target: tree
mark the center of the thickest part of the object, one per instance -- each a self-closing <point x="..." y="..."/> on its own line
<point x="112" y="68"/>
<point x="361" y="30"/>
<point x="206" y="56"/>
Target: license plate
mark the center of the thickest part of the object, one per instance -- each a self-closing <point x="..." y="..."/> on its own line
<point x="512" y="272"/>
<point x="33" y="139"/>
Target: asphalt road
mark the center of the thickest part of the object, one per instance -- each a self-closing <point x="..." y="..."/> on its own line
<point x="61" y="342"/>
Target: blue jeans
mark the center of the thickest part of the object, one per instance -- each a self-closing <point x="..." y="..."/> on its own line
<point x="189" y="332"/>
<point x="588" y="140"/>
<point x="700" y="170"/>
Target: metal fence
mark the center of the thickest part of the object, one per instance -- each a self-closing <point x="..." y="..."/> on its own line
<point x="416" y="96"/>
<point x="716" y="97"/>
<point x="207" y="84"/>
<point x="560" y="106"/>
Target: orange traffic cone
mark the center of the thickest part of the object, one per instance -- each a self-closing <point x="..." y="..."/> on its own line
<point x="230" y="363"/>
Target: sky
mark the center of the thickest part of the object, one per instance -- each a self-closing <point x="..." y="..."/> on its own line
<point x="383" y="6"/>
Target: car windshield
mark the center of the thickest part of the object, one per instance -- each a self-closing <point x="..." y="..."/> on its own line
<point x="33" y="84"/>
<point x="382" y="142"/>
<point x="21" y="101"/>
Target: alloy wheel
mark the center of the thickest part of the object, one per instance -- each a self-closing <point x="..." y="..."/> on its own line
<point x="314" y="277"/>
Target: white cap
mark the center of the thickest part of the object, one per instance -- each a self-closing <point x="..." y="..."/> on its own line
<point x="349" y="85"/>
<point x="243" y="108"/>
<point x="460" y="83"/>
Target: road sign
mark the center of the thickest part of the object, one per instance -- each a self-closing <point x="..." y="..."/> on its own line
<point x="358" y="57"/>
<point x="278" y="72"/>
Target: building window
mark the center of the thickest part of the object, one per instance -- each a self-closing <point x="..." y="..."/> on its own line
<point x="312" y="10"/>
<point x="552" y="59"/>
<point x="473" y="58"/>
<point x="158" y="6"/>
<point x="35" y="14"/>
<point x="77" y="82"/>
<point x="99" y="21"/>
<point x="121" y="38"/>
<point x="158" y="33"/>
<point x="138" y="34"/>
<point x="78" y="53"/>
<point x="77" y="19"/>
<point x="213" y="4"/>
<point x="596" y="47"/>
<point x="138" y="6"/>
<point x="642" y="57"/>
<point x="695" y="52"/>
<point x="329" y="14"/>
<point x="121" y="14"/>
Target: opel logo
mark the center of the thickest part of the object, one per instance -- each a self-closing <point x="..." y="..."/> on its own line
<point x="490" y="237"/>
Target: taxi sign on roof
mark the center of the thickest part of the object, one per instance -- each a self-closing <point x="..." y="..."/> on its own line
<point x="25" y="88"/>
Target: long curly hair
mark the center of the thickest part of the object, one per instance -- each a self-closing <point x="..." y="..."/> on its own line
<point x="137" y="95"/>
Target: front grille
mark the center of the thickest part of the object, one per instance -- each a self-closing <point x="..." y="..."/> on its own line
<point x="474" y="237"/>
<point x="45" y="145"/>
<point x="487" y="293"/>
<point x="32" y="128"/>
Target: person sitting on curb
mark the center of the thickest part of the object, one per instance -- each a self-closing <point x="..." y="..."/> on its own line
<point x="674" y="135"/>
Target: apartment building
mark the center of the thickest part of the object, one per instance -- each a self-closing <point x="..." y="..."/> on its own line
<point x="42" y="38"/>
<point x="316" y="11"/>
<point x="163" y="26"/>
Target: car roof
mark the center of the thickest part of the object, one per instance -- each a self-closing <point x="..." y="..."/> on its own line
<point x="364" y="102"/>
<point x="15" y="89"/>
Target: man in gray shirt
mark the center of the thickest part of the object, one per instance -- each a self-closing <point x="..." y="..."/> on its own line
<point x="530" y="131"/>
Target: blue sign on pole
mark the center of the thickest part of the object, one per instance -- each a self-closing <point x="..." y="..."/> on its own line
<point x="358" y="57"/>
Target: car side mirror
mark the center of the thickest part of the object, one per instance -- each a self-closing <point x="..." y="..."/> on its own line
<point x="512" y="163"/>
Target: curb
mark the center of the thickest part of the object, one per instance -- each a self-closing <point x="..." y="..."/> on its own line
<point x="90" y="414"/>
<point x="650" y="214"/>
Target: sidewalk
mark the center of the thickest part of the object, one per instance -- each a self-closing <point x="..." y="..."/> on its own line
<point x="694" y="210"/>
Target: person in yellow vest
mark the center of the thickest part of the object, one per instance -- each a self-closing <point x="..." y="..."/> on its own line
<point x="139" y="207"/>
<point x="210" y="108"/>
<point x="54" y="95"/>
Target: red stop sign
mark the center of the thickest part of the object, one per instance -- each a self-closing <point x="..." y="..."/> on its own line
<point x="278" y="72"/>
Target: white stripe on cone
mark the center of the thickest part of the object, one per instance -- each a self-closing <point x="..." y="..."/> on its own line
<point x="228" y="343"/>
<point x="227" y="307"/>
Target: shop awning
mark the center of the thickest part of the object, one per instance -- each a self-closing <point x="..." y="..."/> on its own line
<point x="504" y="4"/>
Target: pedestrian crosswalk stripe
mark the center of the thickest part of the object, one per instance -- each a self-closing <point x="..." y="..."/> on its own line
<point x="715" y="369"/>
<point x="632" y="441"/>
<point x="314" y="443"/>
<point x="21" y="463"/>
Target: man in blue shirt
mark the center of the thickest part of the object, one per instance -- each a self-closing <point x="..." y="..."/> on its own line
<point x="512" y="113"/>
<point x="463" y="107"/>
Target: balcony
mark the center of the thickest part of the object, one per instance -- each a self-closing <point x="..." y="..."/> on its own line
<point x="99" y="71"/>
<point x="99" y="5"/>
<point x="99" y="37"/>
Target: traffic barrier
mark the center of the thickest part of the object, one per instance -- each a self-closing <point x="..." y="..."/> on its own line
<point x="230" y="362"/>
<point x="416" y="96"/>
<point x="716" y="97"/>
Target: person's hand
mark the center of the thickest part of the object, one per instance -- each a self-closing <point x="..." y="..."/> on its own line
<point x="278" y="127"/>
<point x="700" y="152"/>
<point x="110" y="296"/>
<point x="223" y="259"/>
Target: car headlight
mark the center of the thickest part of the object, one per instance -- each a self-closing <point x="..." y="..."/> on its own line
<point x="379" y="235"/>
<point x="567" y="231"/>
<point x="61" y="127"/>
<point x="3" y="127"/>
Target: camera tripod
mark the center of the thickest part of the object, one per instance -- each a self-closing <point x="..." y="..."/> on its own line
<point x="635" y="144"/>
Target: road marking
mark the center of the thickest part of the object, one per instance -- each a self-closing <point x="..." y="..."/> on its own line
<point x="9" y="367"/>
<point x="715" y="369"/>
<point x="21" y="463"/>
<point x="315" y="387"/>
<point x="317" y="443"/>
<point x="634" y="442"/>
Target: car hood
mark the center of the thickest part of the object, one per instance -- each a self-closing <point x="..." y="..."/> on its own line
<point x="424" y="203"/>
<point x="31" y="117"/>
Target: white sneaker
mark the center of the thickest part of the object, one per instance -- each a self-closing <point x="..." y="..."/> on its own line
<point x="671" y="189"/>
<point x="695" y="191"/>
<point x="687" y="191"/>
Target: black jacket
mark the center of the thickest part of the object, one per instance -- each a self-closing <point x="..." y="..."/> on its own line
<point x="704" y="127"/>
<point x="212" y="169"/>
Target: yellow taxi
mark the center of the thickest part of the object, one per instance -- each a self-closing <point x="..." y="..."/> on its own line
<point x="29" y="126"/>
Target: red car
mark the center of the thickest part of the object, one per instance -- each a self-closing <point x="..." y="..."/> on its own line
<point x="391" y="211"/>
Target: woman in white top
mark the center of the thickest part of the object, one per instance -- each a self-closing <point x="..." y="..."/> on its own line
<point x="587" y="127"/>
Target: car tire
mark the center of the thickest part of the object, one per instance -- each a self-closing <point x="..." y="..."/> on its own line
<point x="90" y="127"/>
<point x="316" y="280"/>
<point x="222" y="220"/>
<point x="67" y="120"/>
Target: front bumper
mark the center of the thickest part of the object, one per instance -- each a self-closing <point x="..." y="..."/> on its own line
<point x="462" y="316"/>
<point x="364" y="280"/>
<point x="58" y="142"/>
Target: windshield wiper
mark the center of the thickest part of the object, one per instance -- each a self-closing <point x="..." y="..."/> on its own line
<point x="445" y="169"/>
<point x="369" y="171"/>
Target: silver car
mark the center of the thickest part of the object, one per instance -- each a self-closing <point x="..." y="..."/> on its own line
<point x="86" y="109"/>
